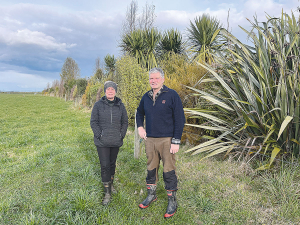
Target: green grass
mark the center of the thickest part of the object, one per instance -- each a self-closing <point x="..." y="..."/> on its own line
<point x="50" y="174"/>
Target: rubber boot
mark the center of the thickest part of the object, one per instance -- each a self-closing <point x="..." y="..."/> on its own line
<point x="151" y="196"/>
<point x="107" y="190"/>
<point x="113" y="190"/>
<point x="172" y="204"/>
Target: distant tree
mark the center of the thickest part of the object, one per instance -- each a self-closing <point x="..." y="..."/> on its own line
<point x="69" y="73"/>
<point x="81" y="86"/>
<point x="204" y="37"/>
<point x="110" y="63"/>
<point x="142" y="21"/>
<point x="97" y="64"/>
<point x="133" y="20"/>
<point x="147" y="18"/>
<point x="57" y="91"/>
<point x="55" y="83"/>
<point x="130" y="23"/>
<point x="61" y="90"/>
<point x="48" y="86"/>
<point x="98" y="72"/>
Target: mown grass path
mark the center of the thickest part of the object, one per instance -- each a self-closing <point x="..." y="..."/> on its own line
<point x="50" y="174"/>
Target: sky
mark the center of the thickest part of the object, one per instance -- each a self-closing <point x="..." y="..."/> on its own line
<point x="36" y="36"/>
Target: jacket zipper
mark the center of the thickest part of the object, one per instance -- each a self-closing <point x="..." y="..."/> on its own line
<point x="110" y="115"/>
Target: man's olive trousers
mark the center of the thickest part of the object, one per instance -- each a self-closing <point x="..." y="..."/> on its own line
<point x="159" y="149"/>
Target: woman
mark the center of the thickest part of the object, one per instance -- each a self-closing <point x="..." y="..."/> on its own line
<point x="109" y="123"/>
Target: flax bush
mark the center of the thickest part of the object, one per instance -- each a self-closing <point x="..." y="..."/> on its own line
<point x="258" y="100"/>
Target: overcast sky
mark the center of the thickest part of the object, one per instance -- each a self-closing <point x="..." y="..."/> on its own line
<point x="36" y="36"/>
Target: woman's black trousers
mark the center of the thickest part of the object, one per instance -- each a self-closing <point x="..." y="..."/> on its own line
<point x="108" y="158"/>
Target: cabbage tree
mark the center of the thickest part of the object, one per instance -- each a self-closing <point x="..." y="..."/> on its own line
<point x="204" y="38"/>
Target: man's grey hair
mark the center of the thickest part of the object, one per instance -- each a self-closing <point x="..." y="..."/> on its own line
<point x="157" y="70"/>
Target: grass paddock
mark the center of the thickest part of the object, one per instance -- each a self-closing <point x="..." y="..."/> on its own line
<point x="50" y="174"/>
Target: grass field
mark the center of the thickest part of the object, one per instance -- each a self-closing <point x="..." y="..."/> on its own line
<point x="50" y="174"/>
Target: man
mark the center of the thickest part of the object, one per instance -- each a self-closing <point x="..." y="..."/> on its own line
<point x="165" y="119"/>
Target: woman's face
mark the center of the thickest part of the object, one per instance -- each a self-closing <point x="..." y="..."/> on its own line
<point x="110" y="93"/>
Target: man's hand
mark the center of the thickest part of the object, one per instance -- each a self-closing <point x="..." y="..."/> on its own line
<point x="142" y="133"/>
<point x="174" y="148"/>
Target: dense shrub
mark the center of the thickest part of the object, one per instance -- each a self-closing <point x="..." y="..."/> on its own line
<point x="81" y="86"/>
<point x="90" y="96"/>
<point x="132" y="84"/>
<point x="179" y="72"/>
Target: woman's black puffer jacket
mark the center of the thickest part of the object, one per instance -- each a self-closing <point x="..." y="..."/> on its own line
<point x="109" y="123"/>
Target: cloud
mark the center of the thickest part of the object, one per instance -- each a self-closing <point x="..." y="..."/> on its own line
<point x="181" y="19"/>
<point x="27" y="37"/>
<point x="17" y="81"/>
<point x="32" y="36"/>
<point x="238" y="12"/>
<point x="260" y="8"/>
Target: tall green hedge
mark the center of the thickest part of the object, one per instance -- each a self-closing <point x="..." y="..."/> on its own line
<point x="133" y="82"/>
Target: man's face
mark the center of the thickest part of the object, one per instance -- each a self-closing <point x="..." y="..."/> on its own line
<point x="156" y="81"/>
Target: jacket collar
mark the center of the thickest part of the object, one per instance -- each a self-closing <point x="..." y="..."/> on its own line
<point x="117" y="100"/>
<point x="163" y="89"/>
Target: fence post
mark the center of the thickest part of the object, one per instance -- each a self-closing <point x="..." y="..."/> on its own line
<point x="137" y="144"/>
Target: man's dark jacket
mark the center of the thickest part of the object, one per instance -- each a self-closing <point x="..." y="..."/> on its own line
<point x="164" y="117"/>
<point x="109" y="123"/>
